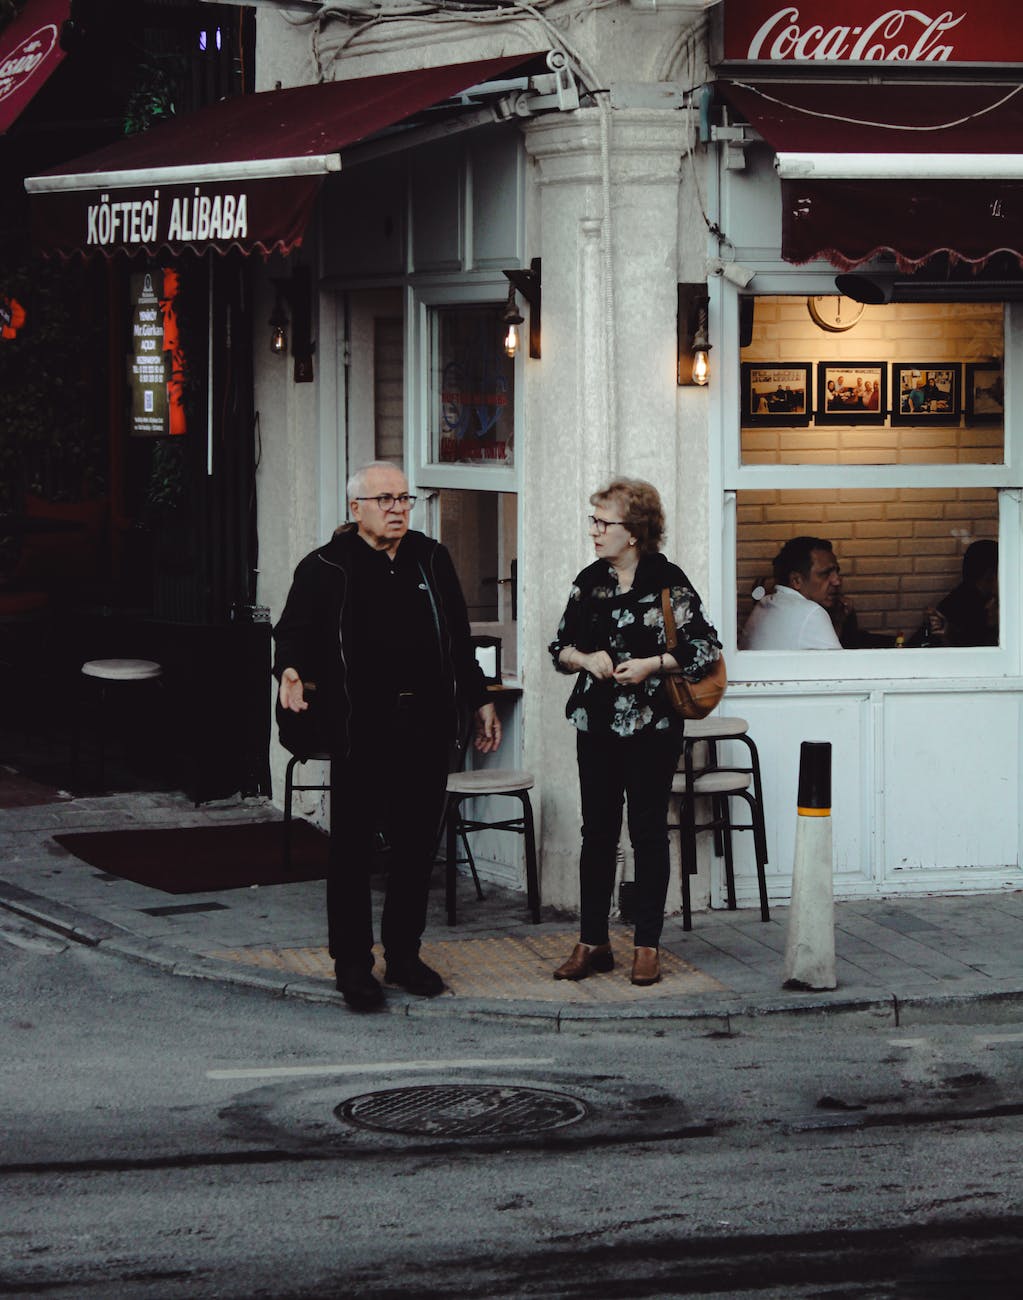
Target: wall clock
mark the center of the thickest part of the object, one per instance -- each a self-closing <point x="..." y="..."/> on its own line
<point x="834" y="313"/>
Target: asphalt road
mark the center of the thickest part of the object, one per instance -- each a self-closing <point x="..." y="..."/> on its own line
<point x="165" y="1137"/>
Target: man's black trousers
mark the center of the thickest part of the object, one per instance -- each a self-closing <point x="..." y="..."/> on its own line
<point x="391" y="789"/>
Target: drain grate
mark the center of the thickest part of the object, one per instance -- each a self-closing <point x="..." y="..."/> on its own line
<point x="462" y="1110"/>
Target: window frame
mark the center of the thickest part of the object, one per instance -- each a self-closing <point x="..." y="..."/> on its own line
<point x="428" y="477"/>
<point x="730" y="476"/>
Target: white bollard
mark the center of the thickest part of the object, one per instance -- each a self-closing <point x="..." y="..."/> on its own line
<point x="810" y="942"/>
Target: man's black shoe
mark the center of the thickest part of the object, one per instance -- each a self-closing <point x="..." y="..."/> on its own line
<point x="414" y="976"/>
<point x="359" y="989"/>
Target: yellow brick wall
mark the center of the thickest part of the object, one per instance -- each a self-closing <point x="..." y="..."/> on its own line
<point x="900" y="549"/>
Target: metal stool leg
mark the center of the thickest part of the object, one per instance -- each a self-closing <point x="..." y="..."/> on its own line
<point x="532" y="880"/>
<point x="449" y="866"/>
<point x="724" y="821"/>
<point x="289" y="783"/>
<point x="760" y="852"/>
<point x="687" y="854"/>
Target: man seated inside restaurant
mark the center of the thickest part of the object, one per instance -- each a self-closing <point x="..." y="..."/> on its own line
<point x="796" y="615"/>
<point x="970" y="611"/>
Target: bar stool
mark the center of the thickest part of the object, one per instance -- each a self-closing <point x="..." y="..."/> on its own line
<point x="479" y="784"/>
<point x="713" y="729"/>
<point x="290" y="787"/>
<point x="108" y="672"/>
<point x="719" y="784"/>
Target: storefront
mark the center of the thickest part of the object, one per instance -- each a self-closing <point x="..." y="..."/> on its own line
<point x="664" y="146"/>
<point x="880" y="147"/>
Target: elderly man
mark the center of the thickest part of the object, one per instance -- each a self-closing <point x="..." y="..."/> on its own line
<point x="807" y="582"/>
<point x="377" y="619"/>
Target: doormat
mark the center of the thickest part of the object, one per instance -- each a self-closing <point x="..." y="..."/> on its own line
<point x="204" y="859"/>
<point x="507" y="966"/>
<point x="20" y="791"/>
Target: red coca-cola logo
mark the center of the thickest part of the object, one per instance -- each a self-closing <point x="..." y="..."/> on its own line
<point x="20" y="64"/>
<point x="894" y="36"/>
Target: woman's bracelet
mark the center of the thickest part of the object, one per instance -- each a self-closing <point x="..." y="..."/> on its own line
<point x="661" y="668"/>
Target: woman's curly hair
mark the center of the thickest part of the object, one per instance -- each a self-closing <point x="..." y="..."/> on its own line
<point x="641" y="509"/>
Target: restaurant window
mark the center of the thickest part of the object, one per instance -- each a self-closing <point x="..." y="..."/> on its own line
<point x="882" y="430"/>
<point x="466" y="473"/>
<point x="901" y="552"/>
<point x="472" y="387"/>
<point x="480" y="529"/>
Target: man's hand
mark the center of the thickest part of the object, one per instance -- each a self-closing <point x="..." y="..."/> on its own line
<point x="292" y="692"/>
<point x="488" y="729"/>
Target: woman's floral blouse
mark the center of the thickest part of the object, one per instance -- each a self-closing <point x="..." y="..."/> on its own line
<point x="630" y="625"/>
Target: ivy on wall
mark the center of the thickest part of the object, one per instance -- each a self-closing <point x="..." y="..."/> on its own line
<point x="50" y="440"/>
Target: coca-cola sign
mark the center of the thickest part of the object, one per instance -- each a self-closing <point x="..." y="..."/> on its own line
<point x="870" y="31"/>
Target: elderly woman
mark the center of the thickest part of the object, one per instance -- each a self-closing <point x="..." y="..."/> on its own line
<point x="628" y="737"/>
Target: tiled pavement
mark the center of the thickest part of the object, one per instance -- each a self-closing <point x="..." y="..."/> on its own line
<point x="898" y="959"/>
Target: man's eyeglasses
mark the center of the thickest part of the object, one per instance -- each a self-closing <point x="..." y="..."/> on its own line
<point x="387" y="501"/>
<point x="600" y="526"/>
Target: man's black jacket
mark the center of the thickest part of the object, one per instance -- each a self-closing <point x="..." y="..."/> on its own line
<point x="315" y="628"/>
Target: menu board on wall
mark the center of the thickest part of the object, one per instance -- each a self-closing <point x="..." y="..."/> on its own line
<point x="155" y="365"/>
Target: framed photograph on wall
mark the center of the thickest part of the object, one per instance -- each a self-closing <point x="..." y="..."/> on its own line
<point x="776" y="393"/>
<point x="984" y="392"/>
<point x="923" y="393"/>
<point x="852" y="392"/>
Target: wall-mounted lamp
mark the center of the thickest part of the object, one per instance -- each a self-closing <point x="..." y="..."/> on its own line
<point x="693" y="345"/>
<point x="511" y="320"/>
<point x="296" y="291"/>
<point x="527" y="283"/>
<point x="278" y="328"/>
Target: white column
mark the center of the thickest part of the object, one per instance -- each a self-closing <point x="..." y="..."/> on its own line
<point x="604" y="218"/>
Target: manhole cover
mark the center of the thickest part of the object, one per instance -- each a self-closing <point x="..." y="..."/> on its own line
<point x="462" y="1110"/>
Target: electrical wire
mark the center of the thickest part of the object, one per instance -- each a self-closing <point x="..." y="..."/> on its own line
<point x="881" y="126"/>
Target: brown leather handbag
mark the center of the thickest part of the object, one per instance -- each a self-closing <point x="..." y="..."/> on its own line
<point x="691" y="699"/>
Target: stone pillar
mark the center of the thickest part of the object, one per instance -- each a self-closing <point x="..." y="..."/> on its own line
<point x="604" y="217"/>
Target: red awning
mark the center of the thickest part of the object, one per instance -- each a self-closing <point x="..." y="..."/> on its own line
<point x="29" y="53"/>
<point x="917" y="170"/>
<point x="243" y="173"/>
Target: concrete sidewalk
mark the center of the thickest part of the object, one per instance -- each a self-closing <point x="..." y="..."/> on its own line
<point x="900" y="961"/>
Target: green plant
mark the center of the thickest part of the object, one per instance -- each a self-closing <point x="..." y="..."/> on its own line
<point x="151" y="99"/>
<point x="50" y="439"/>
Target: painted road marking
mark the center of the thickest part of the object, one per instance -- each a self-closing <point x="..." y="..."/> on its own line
<point x="377" y="1067"/>
<point x="987" y="1040"/>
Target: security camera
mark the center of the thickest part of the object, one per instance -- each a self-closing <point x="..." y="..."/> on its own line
<point x="733" y="272"/>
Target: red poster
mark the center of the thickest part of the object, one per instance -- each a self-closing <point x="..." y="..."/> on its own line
<point x="872" y="31"/>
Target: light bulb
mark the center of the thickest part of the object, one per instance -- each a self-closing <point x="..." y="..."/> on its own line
<point x="278" y="340"/>
<point x="701" y="367"/>
<point x="511" y="339"/>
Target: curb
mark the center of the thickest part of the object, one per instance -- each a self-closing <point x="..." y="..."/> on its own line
<point x="731" y="1015"/>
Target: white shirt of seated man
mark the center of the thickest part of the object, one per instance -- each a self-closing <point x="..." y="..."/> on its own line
<point x="796" y="617"/>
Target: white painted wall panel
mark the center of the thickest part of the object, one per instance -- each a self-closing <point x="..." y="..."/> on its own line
<point x="779" y="725"/>
<point x="951" y="788"/>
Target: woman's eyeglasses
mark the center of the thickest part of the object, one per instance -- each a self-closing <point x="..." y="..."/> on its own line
<point x="600" y="526"/>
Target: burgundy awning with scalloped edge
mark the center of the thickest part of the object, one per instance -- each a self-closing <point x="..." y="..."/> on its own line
<point x="914" y="170"/>
<point x="29" y="53"/>
<point x="243" y="173"/>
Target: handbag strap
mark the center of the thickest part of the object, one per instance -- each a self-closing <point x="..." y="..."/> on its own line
<point x="670" y="631"/>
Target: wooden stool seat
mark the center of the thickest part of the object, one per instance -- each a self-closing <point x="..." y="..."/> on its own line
<point x="492" y="781"/>
<point x="122" y="670"/>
